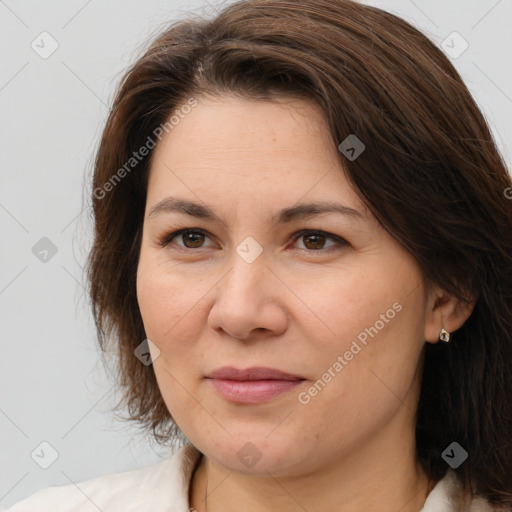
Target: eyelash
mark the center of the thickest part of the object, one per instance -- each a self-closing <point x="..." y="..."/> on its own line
<point x="165" y="239"/>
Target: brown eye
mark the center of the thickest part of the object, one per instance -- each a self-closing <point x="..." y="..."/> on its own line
<point x="191" y="239"/>
<point x="194" y="238"/>
<point x="315" y="240"/>
<point x="311" y="240"/>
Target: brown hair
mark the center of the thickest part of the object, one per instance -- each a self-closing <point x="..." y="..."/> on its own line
<point x="430" y="173"/>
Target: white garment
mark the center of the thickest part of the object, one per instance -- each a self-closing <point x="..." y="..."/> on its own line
<point x="163" y="487"/>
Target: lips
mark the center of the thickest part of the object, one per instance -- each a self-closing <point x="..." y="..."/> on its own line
<point x="254" y="373"/>
<point x="253" y="385"/>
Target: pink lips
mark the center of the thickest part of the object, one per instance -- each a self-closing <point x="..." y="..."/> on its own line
<point x="253" y="385"/>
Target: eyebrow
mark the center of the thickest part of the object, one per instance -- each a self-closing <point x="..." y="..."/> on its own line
<point x="300" y="211"/>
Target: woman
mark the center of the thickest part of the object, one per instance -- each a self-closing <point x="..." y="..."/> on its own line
<point x="303" y="252"/>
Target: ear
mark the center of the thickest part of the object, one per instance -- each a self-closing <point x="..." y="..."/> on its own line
<point x="445" y="310"/>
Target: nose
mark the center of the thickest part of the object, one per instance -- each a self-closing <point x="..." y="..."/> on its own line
<point x="249" y="300"/>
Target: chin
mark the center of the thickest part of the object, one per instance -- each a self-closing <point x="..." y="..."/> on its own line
<point x="256" y="454"/>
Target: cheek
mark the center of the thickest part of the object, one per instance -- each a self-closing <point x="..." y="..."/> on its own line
<point x="167" y="300"/>
<point x="172" y="306"/>
<point x="365" y="336"/>
<point x="334" y="307"/>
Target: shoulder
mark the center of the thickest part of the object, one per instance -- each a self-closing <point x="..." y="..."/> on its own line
<point x="155" y="487"/>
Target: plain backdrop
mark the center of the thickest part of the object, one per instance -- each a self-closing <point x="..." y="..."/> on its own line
<point x="53" y="389"/>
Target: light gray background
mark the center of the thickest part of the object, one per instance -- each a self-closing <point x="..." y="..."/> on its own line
<point x="52" y="385"/>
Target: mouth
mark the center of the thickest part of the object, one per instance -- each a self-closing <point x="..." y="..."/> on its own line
<point x="252" y="385"/>
<point x="254" y="373"/>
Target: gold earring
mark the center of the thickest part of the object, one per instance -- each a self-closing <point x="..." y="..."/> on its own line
<point x="444" y="336"/>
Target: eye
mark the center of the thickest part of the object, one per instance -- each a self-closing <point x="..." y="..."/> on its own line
<point x="314" y="240"/>
<point x="192" y="238"/>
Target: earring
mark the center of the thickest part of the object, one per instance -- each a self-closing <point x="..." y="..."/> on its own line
<point x="444" y="336"/>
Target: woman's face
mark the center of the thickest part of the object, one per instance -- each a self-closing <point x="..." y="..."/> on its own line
<point x="345" y="310"/>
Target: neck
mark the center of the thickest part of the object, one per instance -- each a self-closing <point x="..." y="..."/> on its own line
<point x="372" y="479"/>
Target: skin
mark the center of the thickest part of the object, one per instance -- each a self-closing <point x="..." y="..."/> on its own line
<point x="297" y="307"/>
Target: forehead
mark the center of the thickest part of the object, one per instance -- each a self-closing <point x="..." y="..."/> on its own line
<point x="228" y="147"/>
<point x="226" y="125"/>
